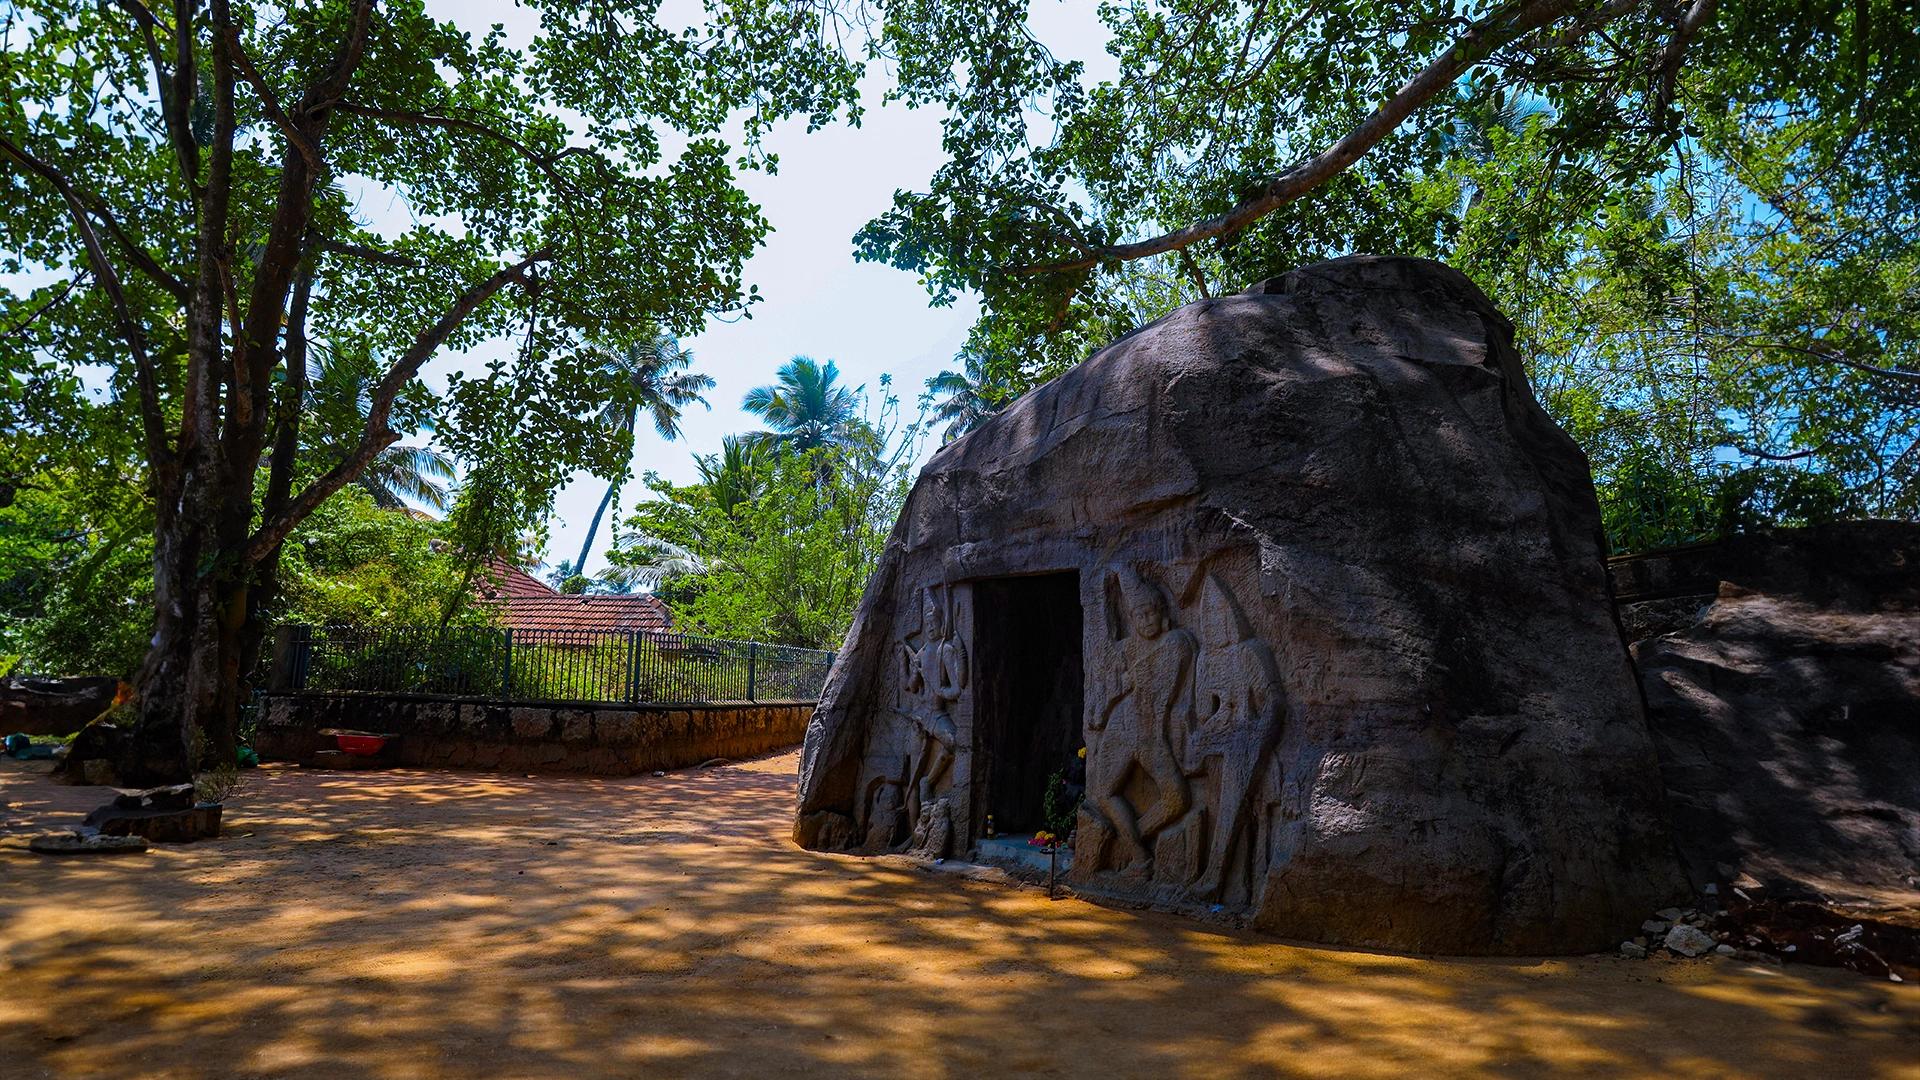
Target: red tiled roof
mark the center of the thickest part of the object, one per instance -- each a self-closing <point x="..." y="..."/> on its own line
<point x="527" y="603"/>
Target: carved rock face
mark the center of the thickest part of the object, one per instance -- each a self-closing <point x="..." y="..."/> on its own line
<point x="1345" y="659"/>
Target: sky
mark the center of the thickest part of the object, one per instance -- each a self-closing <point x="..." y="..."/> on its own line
<point x="868" y="318"/>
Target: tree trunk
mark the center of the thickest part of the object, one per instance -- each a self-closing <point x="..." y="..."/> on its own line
<point x="593" y="527"/>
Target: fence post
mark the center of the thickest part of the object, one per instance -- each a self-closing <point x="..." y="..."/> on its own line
<point x="753" y="652"/>
<point x="506" y="673"/>
<point x="633" y="663"/>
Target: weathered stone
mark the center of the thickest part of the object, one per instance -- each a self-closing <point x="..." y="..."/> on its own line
<point x="529" y="723"/>
<point x="575" y="726"/>
<point x="85" y="843"/>
<point x="1309" y="562"/>
<point x="615" y="728"/>
<point x="1782" y="707"/>
<point x="1688" y="941"/>
<point x="1656" y="927"/>
<point x="1633" y="950"/>
<point x="165" y="814"/>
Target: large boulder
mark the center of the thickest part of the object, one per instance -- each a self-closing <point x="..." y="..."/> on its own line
<point x="1318" y="587"/>
<point x="1782" y="675"/>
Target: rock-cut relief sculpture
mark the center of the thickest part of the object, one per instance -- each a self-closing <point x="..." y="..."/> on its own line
<point x="1146" y="704"/>
<point x="933" y="677"/>
<point x="1243" y="708"/>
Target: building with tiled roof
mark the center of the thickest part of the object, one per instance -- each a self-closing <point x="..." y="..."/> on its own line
<point x="524" y="602"/>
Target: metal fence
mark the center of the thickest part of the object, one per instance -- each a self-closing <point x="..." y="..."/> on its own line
<point x="639" y="667"/>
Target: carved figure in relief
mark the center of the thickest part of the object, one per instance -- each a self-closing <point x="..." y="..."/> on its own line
<point x="934" y="676"/>
<point x="1240" y="693"/>
<point x="884" y="816"/>
<point x="1147" y="703"/>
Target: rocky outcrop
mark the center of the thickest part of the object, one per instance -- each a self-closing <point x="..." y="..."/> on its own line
<point x="1317" y="586"/>
<point x="1782" y="675"/>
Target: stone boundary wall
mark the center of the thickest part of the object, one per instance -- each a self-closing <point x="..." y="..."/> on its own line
<point x="558" y="737"/>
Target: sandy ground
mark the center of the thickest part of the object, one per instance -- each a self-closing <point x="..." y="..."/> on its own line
<point x="414" y="924"/>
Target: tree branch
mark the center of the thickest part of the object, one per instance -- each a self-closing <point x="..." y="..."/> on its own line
<point x="1472" y="47"/>
<point x="376" y="435"/>
<point x="1689" y="26"/>
<point x="456" y="123"/>
<point x="66" y="290"/>
<point x="138" y="255"/>
<point x="269" y="102"/>
<point x="152" y="420"/>
<point x="358" y="251"/>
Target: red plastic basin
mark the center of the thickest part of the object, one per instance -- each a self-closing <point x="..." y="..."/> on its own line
<point x="361" y="745"/>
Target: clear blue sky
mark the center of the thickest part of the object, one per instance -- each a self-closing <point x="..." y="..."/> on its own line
<point x="870" y="319"/>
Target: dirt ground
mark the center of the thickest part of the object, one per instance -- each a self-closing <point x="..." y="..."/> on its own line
<point x="415" y="924"/>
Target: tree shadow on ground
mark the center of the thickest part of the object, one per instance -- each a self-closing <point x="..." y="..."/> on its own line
<point x="415" y="924"/>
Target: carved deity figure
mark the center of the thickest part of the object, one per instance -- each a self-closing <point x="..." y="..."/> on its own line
<point x="934" y="675"/>
<point x="1148" y="703"/>
<point x="1240" y="691"/>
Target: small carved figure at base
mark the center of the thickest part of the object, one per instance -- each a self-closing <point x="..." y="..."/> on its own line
<point x="883" y="821"/>
<point x="824" y="831"/>
<point x="933" y="833"/>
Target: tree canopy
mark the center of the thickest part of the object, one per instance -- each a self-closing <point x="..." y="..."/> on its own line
<point x="183" y="189"/>
<point x="1709" y="251"/>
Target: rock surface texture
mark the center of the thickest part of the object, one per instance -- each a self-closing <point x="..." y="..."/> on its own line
<point x="1782" y="676"/>
<point x="1336" y="634"/>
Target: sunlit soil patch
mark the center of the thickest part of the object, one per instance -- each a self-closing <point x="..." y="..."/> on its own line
<point x="413" y="924"/>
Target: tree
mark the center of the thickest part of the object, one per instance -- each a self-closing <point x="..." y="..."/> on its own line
<point x="965" y="398"/>
<point x="186" y="179"/>
<point x="788" y="562"/>
<point x="650" y="374"/>
<point x="807" y="407"/>
<point x="339" y="397"/>
<point x="1709" y="253"/>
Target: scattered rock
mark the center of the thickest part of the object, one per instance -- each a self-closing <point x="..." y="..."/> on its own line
<point x="1723" y="949"/>
<point x="1656" y="927"/>
<point x="163" y="814"/>
<point x="1688" y="940"/>
<point x="1671" y="914"/>
<point x="1633" y="950"/>
<point x="85" y="843"/>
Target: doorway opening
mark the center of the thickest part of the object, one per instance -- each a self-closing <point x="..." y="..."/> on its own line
<point x="1028" y="689"/>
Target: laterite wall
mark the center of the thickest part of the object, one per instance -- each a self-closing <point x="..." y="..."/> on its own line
<point x="608" y="740"/>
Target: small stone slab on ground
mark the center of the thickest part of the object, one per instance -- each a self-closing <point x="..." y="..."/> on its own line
<point x="69" y="843"/>
<point x="1689" y="940"/>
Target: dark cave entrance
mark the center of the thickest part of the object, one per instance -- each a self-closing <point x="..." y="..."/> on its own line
<point x="1028" y="687"/>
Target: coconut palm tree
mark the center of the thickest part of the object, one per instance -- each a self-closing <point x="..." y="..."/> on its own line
<point x="339" y="396"/>
<point x="966" y="397"/>
<point x="647" y="562"/>
<point x="737" y="474"/>
<point x="806" y="407"/>
<point x="653" y="375"/>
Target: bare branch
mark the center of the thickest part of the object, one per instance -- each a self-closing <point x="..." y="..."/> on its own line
<point x="1472" y="47"/>
<point x="376" y="435"/>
